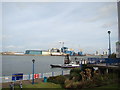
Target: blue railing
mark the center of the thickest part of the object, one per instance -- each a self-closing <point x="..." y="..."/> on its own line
<point x="110" y="61"/>
<point x="107" y="61"/>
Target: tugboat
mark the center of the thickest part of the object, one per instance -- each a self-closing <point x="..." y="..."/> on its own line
<point x="55" y="65"/>
<point x="70" y="63"/>
<point x="67" y="63"/>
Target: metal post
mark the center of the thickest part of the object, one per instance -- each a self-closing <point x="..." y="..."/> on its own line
<point x="52" y="73"/>
<point x="107" y="70"/>
<point x="33" y="74"/>
<point x="62" y="72"/>
<point x="109" y="45"/>
<point x="33" y="71"/>
<point x="28" y="76"/>
<point x="81" y="65"/>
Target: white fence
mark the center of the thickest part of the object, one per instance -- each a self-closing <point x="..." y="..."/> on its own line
<point x="5" y="79"/>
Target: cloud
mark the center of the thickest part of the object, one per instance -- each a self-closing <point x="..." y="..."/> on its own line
<point x="42" y="25"/>
<point x="103" y="12"/>
<point x="6" y="36"/>
<point x="13" y="48"/>
<point x="109" y="24"/>
<point x="108" y="9"/>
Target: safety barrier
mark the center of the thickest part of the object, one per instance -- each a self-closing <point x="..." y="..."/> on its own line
<point x="5" y="79"/>
<point x="107" y="61"/>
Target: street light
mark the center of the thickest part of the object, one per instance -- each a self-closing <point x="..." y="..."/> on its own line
<point x="109" y="45"/>
<point x="33" y="71"/>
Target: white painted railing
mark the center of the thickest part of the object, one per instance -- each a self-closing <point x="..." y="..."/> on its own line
<point x="5" y="79"/>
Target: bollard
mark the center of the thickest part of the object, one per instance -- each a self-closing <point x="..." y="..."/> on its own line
<point x="62" y="72"/>
<point x="41" y="75"/>
<point x="28" y="76"/>
<point x="45" y="79"/>
<point x="52" y="73"/>
<point x="107" y="70"/>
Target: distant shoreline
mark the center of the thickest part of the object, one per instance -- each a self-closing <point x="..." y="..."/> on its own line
<point x="44" y="55"/>
<point x="22" y="55"/>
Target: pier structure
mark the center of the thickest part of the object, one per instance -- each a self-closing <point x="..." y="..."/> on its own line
<point x="104" y="65"/>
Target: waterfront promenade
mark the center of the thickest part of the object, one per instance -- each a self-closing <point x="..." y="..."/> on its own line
<point x="7" y="79"/>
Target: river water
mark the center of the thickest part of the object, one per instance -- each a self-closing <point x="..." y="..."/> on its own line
<point x="16" y="64"/>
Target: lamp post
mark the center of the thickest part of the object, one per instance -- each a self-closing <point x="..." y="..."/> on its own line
<point x="109" y="45"/>
<point x="33" y="71"/>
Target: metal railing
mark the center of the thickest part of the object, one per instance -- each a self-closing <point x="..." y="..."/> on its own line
<point x="5" y="79"/>
<point x="107" y="61"/>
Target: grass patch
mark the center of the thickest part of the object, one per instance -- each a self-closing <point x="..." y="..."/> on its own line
<point x="41" y="85"/>
<point x="114" y="86"/>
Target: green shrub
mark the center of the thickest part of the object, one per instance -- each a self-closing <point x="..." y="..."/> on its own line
<point x="68" y="83"/>
<point x="51" y="79"/>
<point x="75" y="74"/>
<point x="110" y="78"/>
<point x="77" y="85"/>
<point x="72" y="84"/>
<point x="57" y="79"/>
<point x="100" y="80"/>
<point x="60" y="79"/>
<point x="77" y="70"/>
<point x="84" y="66"/>
<point x="88" y="84"/>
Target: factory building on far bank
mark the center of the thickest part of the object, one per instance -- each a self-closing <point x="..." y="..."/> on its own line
<point x="37" y="52"/>
<point x="53" y="51"/>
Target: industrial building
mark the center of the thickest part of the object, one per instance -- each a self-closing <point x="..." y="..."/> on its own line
<point x="56" y="52"/>
<point x="37" y="52"/>
<point x="33" y="52"/>
<point x="68" y="51"/>
<point x="53" y="52"/>
<point x="45" y="52"/>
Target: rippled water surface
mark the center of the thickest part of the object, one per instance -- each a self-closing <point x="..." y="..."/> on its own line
<point x="15" y="64"/>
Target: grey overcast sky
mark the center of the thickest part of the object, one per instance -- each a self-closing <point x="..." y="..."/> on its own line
<point x="41" y="25"/>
